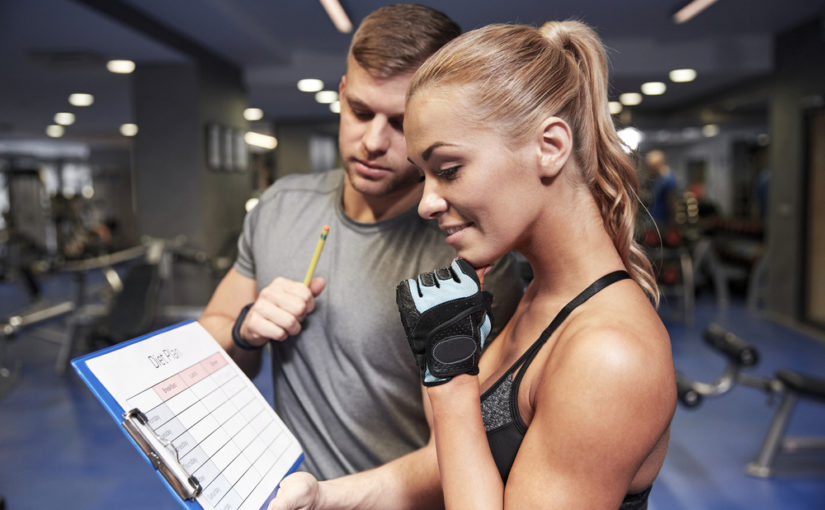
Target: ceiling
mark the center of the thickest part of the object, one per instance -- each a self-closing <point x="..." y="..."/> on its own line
<point x="50" y="48"/>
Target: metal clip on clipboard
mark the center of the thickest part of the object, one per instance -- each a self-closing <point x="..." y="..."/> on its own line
<point x="163" y="457"/>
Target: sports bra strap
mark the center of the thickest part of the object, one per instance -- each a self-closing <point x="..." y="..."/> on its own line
<point x="590" y="291"/>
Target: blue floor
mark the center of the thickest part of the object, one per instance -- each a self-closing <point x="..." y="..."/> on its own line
<point x="59" y="448"/>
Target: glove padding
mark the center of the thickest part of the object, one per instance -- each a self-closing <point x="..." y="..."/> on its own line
<point x="446" y="317"/>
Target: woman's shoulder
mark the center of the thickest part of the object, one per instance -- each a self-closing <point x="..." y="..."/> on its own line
<point x="617" y="339"/>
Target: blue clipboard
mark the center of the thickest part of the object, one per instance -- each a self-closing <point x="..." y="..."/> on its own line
<point x="133" y="425"/>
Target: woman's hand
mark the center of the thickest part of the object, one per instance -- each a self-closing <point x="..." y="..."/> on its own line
<point x="446" y="319"/>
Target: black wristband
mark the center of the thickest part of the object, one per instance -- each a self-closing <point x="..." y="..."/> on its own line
<point x="236" y="331"/>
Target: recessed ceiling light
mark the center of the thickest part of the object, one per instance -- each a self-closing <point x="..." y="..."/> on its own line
<point x="55" y="131"/>
<point x="335" y="107"/>
<point x="326" y="96"/>
<point x="682" y="75"/>
<point x="64" y="118"/>
<point x="653" y="88"/>
<point x="710" y="130"/>
<point x="615" y="107"/>
<point x="630" y="98"/>
<point x="120" y="66"/>
<point x="128" y="129"/>
<point x="260" y="140"/>
<point x="253" y="114"/>
<point x="81" y="99"/>
<point x="310" y="85"/>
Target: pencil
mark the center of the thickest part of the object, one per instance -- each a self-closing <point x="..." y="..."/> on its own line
<point x="316" y="255"/>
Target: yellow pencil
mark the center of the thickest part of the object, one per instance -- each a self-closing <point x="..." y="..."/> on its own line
<point x="316" y="255"/>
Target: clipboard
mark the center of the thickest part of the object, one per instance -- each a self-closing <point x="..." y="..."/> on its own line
<point x="193" y="415"/>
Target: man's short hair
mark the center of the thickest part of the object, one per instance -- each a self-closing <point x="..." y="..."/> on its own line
<point x="397" y="39"/>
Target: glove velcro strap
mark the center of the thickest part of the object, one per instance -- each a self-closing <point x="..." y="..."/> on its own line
<point x="453" y="348"/>
<point x="452" y="356"/>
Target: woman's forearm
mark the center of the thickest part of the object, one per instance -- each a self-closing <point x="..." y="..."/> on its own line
<point x="469" y="475"/>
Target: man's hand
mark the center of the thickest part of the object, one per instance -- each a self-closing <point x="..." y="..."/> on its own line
<point x="446" y="318"/>
<point x="279" y="310"/>
<point x="298" y="491"/>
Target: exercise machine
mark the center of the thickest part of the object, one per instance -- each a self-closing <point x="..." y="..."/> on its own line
<point x="788" y="385"/>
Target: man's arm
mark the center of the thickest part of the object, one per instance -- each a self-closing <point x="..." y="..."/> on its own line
<point x="410" y="482"/>
<point x="233" y="293"/>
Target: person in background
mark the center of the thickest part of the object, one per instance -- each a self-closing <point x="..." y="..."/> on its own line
<point x="664" y="189"/>
<point x="343" y="381"/>
<point x="570" y="406"/>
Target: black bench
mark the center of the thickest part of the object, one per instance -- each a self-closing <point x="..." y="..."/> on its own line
<point x="789" y="384"/>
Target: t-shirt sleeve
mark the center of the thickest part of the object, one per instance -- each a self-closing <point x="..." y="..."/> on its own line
<point x="245" y="263"/>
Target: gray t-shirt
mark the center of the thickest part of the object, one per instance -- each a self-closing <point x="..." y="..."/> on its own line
<point x="347" y="385"/>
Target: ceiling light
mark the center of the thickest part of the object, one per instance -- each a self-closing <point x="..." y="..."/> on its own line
<point x="338" y="16"/>
<point x="630" y="98"/>
<point x="253" y="114"/>
<point x="653" y="88"/>
<point x="326" y="96"/>
<point x="310" y="85"/>
<point x="260" y="140"/>
<point x="691" y="9"/>
<point x="682" y="75"/>
<point x="79" y="99"/>
<point x="335" y="107"/>
<point x="120" y="66"/>
<point x="128" y="129"/>
<point x="64" y="118"/>
<point x="55" y="131"/>
<point x="615" y="107"/>
<point x="631" y="137"/>
<point x="710" y="130"/>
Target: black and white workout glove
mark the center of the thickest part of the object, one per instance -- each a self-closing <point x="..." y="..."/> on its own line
<point x="446" y="317"/>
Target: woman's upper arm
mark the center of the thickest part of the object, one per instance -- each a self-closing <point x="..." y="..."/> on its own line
<point x="601" y="405"/>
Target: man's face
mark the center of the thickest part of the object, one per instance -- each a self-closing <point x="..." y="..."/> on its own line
<point x="371" y="133"/>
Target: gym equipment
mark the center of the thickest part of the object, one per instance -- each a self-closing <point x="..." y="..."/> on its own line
<point x="788" y="384"/>
<point x="34" y="315"/>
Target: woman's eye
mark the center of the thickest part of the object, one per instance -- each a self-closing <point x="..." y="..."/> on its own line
<point x="448" y="173"/>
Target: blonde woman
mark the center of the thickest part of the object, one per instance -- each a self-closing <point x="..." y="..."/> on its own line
<point x="570" y="406"/>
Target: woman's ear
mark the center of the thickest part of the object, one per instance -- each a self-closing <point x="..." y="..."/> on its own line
<point x="555" y="145"/>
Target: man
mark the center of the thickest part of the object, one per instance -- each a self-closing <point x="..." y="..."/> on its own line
<point x="345" y="382"/>
<point x="664" y="192"/>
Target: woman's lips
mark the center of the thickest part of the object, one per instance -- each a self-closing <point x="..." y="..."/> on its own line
<point x="455" y="229"/>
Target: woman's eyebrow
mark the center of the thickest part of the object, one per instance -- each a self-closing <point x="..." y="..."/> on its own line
<point x="429" y="150"/>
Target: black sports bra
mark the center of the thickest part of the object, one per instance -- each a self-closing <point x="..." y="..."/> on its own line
<point x="499" y="404"/>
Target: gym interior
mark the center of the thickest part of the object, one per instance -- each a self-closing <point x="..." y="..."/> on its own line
<point x="123" y="192"/>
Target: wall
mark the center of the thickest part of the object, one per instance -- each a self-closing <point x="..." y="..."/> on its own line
<point x="176" y="192"/>
<point x="800" y="84"/>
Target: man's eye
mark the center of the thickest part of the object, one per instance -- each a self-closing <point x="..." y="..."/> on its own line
<point x="362" y="115"/>
<point x="448" y="173"/>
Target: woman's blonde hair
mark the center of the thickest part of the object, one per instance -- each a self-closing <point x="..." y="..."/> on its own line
<point x="518" y="76"/>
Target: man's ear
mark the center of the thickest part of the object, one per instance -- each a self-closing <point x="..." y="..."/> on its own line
<point x="342" y="85"/>
<point x="555" y="146"/>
